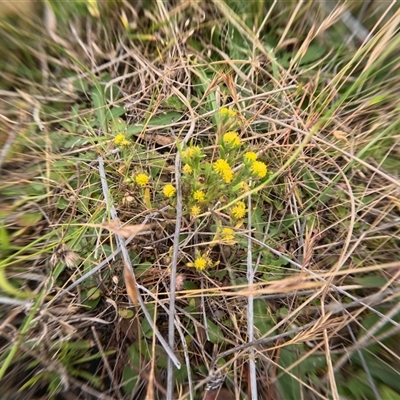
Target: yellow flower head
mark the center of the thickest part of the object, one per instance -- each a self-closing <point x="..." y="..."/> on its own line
<point x="191" y="152"/>
<point x="228" y="234"/>
<point x="200" y="263"/>
<point x="224" y="111"/>
<point x="187" y="169"/>
<point x="239" y="210"/>
<point x="199" y="196"/>
<point x="169" y="190"/>
<point x="259" y="168"/>
<point x="250" y="156"/>
<point x="142" y="179"/>
<point x="121" y="140"/>
<point x="244" y="186"/>
<point x="231" y="138"/>
<point x="227" y="112"/>
<point x="222" y="168"/>
<point x="195" y="211"/>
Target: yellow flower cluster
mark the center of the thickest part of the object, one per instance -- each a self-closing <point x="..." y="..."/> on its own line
<point x="121" y="140"/>
<point x="250" y="156"/>
<point x="259" y="168"/>
<point x="201" y="262"/>
<point x="223" y="168"/>
<point x="191" y="152"/>
<point x="231" y="138"/>
<point x="169" y="190"/>
<point x="228" y="234"/>
<point x="195" y="211"/>
<point x="228" y="112"/>
<point x="142" y="179"/>
<point x="239" y="210"/>
<point x="187" y="169"/>
<point x="199" y="196"/>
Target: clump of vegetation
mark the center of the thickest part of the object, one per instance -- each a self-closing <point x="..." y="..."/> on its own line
<point x="199" y="201"/>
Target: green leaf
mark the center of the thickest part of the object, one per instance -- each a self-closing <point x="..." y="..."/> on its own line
<point x="29" y="219"/>
<point x="125" y="313"/>
<point x="314" y="53"/>
<point x="215" y="334"/>
<point x="4" y="240"/>
<point x="370" y="281"/>
<point x="93" y="293"/>
<point x="289" y="387"/>
<point x="175" y="102"/>
<point x="262" y="321"/>
<point x="143" y="267"/>
<point x="389" y="394"/>
<point x="99" y="105"/>
<point x="129" y="379"/>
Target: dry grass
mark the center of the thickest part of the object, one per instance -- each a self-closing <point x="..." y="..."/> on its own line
<point x="304" y="304"/>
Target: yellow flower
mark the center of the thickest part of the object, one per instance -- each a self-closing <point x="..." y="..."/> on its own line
<point x="224" y="111"/>
<point x="200" y="263"/>
<point x="231" y="138"/>
<point x="169" y="190"/>
<point x="244" y="186"/>
<point x="191" y="152"/>
<point x="121" y="140"/>
<point x="239" y="210"/>
<point x="199" y="196"/>
<point x="142" y="179"/>
<point x="250" y="156"/>
<point x="259" y="168"/>
<point x="228" y="234"/>
<point x="223" y="168"/>
<point x="187" y="169"/>
<point x="227" y="112"/>
<point x="195" y="211"/>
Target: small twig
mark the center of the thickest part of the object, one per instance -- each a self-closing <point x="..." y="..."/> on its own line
<point x="250" y="307"/>
<point x="175" y="253"/>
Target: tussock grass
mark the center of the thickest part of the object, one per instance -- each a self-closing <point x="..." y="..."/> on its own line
<point x="98" y="298"/>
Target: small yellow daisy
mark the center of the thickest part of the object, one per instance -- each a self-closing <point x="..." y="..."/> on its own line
<point x="191" y="152"/>
<point x="199" y="196"/>
<point x="142" y="179"/>
<point x="121" y="140"/>
<point x="224" y="111"/>
<point x="250" y="156"/>
<point x="239" y="210"/>
<point x="195" y="211"/>
<point x="259" y="168"/>
<point x="169" y="190"/>
<point x="231" y="138"/>
<point x="223" y="168"/>
<point x="187" y="169"/>
<point x="200" y="263"/>
<point x="227" y="112"/>
<point x="228" y="234"/>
